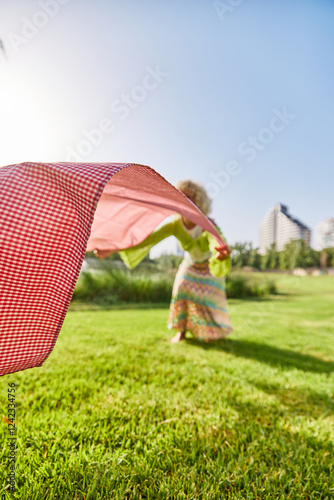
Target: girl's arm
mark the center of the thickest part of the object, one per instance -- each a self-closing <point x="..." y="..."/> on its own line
<point x="134" y="255"/>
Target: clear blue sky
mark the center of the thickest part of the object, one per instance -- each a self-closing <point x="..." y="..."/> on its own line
<point x="237" y="95"/>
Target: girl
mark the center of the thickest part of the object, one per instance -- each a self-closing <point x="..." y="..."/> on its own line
<point x="198" y="303"/>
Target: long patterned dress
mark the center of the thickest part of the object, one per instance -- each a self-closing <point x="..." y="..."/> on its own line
<point x="198" y="303"/>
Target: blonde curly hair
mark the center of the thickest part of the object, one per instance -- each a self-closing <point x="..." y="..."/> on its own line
<point x="197" y="194"/>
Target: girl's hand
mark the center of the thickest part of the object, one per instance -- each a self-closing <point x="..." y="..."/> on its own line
<point x="223" y="252"/>
<point x="102" y="254"/>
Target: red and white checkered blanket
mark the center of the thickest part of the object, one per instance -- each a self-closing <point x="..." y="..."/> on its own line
<point x="50" y="215"/>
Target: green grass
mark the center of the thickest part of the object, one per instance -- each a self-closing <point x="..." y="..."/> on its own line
<point x="117" y="412"/>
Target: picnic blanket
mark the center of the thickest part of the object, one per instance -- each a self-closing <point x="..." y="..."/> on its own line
<point x="50" y="215"/>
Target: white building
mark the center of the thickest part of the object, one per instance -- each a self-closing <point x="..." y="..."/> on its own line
<point x="324" y="236"/>
<point x="279" y="227"/>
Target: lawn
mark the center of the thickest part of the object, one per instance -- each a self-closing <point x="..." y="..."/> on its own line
<point x="117" y="412"/>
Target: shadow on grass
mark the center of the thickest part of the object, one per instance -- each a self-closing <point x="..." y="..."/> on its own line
<point x="267" y="298"/>
<point x="268" y="354"/>
<point x="299" y="401"/>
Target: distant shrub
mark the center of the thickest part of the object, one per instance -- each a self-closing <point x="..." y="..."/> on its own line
<point x="114" y="286"/>
<point x="118" y="286"/>
<point x="239" y="286"/>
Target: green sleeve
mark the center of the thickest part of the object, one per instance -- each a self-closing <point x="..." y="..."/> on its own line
<point x="134" y="255"/>
<point x="217" y="267"/>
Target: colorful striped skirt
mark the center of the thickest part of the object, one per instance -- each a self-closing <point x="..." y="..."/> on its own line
<point x="199" y="303"/>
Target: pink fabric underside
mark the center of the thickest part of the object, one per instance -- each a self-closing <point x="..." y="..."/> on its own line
<point x="132" y="204"/>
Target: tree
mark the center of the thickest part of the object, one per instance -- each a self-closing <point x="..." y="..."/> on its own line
<point x="270" y="259"/>
<point x="297" y="253"/>
<point x="327" y="257"/>
<point x="243" y="254"/>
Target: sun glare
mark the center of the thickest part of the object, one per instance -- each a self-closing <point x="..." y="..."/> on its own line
<point x="26" y="128"/>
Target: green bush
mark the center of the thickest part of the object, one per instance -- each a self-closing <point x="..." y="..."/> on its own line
<point x="118" y="286"/>
<point x="239" y="286"/>
<point x="114" y="286"/>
